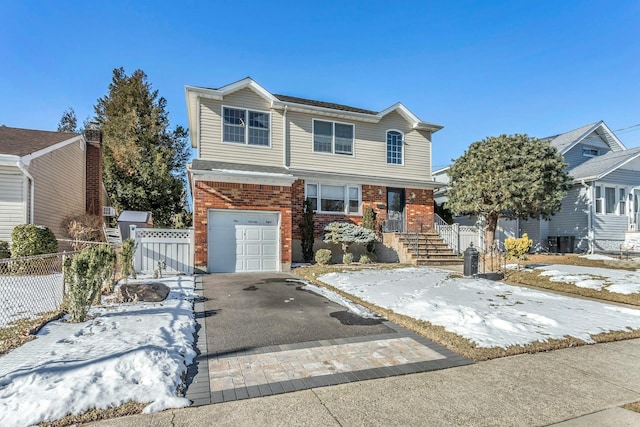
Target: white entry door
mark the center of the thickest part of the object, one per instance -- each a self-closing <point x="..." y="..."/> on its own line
<point x="241" y="241"/>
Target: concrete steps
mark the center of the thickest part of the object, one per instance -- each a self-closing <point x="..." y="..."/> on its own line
<point x="427" y="249"/>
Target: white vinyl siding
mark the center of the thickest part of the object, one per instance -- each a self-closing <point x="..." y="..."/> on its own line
<point x="59" y="178"/>
<point x="13" y="204"/>
<point x="370" y="150"/>
<point x="211" y="131"/>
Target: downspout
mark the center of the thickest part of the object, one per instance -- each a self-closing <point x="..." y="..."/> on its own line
<point x="24" y="170"/>
<point x="284" y="137"/>
<point x="591" y="190"/>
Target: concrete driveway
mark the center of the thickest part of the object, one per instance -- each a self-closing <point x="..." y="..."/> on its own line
<point x="263" y="334"/>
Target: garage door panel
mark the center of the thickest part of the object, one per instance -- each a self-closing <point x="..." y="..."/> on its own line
<point x="243" y="241"/>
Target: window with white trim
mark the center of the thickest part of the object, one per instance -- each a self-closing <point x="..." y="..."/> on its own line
<point x="245" y="126"/>
<point x="598" y="199"/>
<point x="622" y="202"/>
<point x="609" y="200"/>
<point x="394" y="147"/>
<point x="589" y="152"/>
<point x="332" y="137"/>
<point x="334" y="198"/>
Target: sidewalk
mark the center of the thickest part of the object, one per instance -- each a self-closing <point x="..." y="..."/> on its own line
<point x="575" y="387"/>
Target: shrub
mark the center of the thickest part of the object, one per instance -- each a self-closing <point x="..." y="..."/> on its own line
<point x="369" y="222"/>
<point x="346" y="233"/>
<point x="84" y="228"/>
<point x="367" y="258"/>
<point x="306" y="230"/>
<point x="518" y="248"/>
<point x="127" y="253"/>
<point x="84" y="276"/>
<point x="31" y="239"/>
<point x="323" y="256"/>
<point x="5" y="252"/>
<point x="347" y="258"/>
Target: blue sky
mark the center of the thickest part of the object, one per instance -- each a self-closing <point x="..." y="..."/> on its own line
<point x="480" y="68"/>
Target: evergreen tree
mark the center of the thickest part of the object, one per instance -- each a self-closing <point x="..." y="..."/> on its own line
<point x="306" y="230"/>
<point x="68" y="122"/>
<point x="514" y="176"/>
<point x="144" y="161"/>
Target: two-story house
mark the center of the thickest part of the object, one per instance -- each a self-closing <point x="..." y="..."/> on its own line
<point x="260" y="155"/>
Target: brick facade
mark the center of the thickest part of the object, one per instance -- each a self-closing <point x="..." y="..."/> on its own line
<point x="93" y="189"/>
<point x="223" y="195"/>
<point x="289" y="202"/>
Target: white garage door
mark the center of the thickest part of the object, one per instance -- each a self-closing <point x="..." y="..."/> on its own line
<point x="241" y="241"/>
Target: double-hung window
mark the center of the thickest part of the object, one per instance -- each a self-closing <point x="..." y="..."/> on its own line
<point x="598" y="199"/>
<point x="394" y="147"/>
<point x="610" y="200"/>
<point x="334" y="198"/>
<point x="245" y="126"/>
<point x="332" y="137"/>
<point x="622" y="203"/>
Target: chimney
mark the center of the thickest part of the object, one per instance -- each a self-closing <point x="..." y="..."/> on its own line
<point x="93" y="188"/>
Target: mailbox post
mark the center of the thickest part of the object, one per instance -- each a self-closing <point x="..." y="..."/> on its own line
<point x="471" y="255"/>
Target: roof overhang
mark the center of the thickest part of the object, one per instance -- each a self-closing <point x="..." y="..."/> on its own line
<point x="367" y="180"/>
<point x="606" y="133"/>
<point x="238" y="176"/>
<point x="606" y="172"/>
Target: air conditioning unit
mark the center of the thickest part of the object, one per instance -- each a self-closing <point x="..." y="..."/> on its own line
<point x="108" y="211"/>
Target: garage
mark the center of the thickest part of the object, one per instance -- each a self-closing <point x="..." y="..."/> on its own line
<point x="243" y="241"/>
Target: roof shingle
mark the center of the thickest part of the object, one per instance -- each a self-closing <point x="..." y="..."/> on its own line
<point x="21" y="142"/>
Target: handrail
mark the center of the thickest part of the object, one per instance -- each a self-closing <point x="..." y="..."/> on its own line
<point x="449" y="233"/>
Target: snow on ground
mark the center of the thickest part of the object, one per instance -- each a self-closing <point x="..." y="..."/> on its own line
<point x="126" y="352"/>
<point x="618" y="281"/>
<point x="598" y="257"/>
<point x="490" y="314"/>
<point x="338" y="299"/>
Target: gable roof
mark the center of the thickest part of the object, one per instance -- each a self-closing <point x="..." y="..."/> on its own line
<point x="566" y="141"/>
<point x="22" y="142"/>
<point x="193" y="93"/>
<point x="600" y="166"/>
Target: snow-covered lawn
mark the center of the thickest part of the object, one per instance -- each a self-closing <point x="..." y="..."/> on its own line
<point x="127" y="352"/>
<point x="488" y="313"/>
<point x="617" y="281"/>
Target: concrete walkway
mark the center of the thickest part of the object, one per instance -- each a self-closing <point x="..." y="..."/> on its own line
<point x="580" y="386"/>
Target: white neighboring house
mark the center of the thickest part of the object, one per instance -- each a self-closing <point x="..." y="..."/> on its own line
<point x="600" y="212"/>
<point x="46" y="176"/>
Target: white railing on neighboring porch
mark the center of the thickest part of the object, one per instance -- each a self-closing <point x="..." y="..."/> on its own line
<point x="456" y="236"/>
<point x="171" y="248"/>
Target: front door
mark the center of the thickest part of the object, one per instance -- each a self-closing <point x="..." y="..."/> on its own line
<point x="395" y="209"/>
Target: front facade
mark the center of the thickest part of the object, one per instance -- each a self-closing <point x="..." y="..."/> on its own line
<point x="46" y="177"/>
<point x="260" y="155"/>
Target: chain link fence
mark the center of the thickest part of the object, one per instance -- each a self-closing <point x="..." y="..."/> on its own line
<point x="31" y="288"/>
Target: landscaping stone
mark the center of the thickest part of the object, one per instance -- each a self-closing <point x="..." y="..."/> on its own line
<point x="149" y="292"/>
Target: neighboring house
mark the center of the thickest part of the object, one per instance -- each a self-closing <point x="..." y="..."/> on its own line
<point x="259" y="155"/>
<point x="602" y="208"/>
<point x="47" y="176"/>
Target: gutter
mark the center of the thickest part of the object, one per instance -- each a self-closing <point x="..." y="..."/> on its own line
<point x="591" y="190"/>
<point x="24" y="170"/>
<point x="284" y="137"/>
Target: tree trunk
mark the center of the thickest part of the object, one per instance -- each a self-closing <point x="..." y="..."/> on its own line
<point x="490" y="231"/>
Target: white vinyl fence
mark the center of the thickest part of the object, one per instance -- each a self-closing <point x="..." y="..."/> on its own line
<point x="459" y="237"/>
<point x="171" y="248"/>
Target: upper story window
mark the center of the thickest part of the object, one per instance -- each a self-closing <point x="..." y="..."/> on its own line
<point x="394" y="147"/>
<point x="590" y="152"/>
<point x="245" y="126"/>
<point x="332" y="137"/>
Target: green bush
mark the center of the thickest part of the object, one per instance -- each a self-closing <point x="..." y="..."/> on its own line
<point x="127" y="253"/>
<point x="345" y="234"/>
<point x="4" y="250"/>
<point x="366" y="258"/>
<point x="31" y="239"/>
<point x="323" y="256"/>
<point x="84" y="276"/>
<point x="306" y="231"/>
<point x="347" y="258"/>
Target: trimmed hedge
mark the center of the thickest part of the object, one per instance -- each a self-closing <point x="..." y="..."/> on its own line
<point x="31" y="239"/>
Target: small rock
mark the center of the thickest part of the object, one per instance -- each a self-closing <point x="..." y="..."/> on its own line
<point x="149" y="292"/>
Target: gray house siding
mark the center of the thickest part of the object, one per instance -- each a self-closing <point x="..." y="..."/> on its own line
<point x="572" y="220"/>
<point x="575" y="156"/>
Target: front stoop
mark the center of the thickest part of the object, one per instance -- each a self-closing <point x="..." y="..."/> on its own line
<point x="432" y="250"/>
